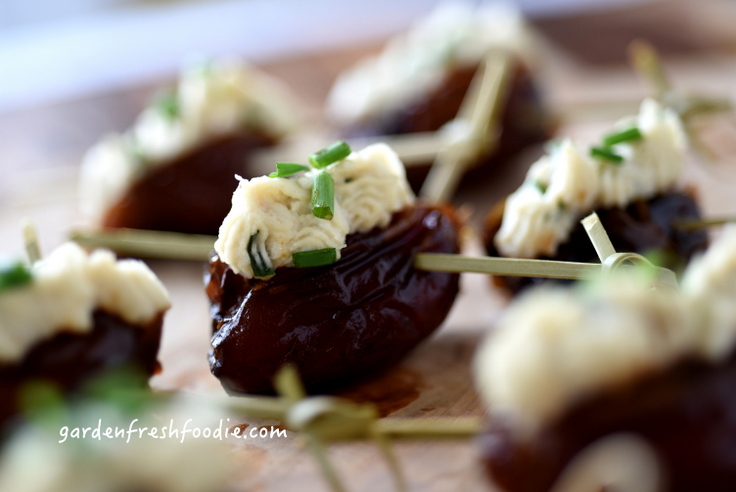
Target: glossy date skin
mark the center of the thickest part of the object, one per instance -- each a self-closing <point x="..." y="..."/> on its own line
<point x="524" y="121"/>
<point x="687" y="414"/>
<point x="192" y="193"/>
<point x="338" y="323"/>
<point x="644" y="226"/>
<point x="69" y="360"/>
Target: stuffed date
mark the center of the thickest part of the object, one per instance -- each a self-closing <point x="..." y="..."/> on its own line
<point x="571" y="370"/>
<point x="420" y="80"/>
<point x="173" y="170"/>
<point x="338" y="322"/>
<point x="630" y="182"/>
<point x="73" y="317"/>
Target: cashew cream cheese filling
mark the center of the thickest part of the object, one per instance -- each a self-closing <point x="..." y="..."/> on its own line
<point x="212" y="99"/>
<point x="66" y="288"/>
<point x="369" y="186"/>
<point x="454" y="34"/>
<point x="557" y="346"/>
<point x="568" y="183"/>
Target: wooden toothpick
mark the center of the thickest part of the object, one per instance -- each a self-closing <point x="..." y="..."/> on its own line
<point x="30" y="238"/>
<point x="148" y="244"/>
<point x="598" y="236"/>
<point x="695" y="224"/>
<point x="477" y="120"/>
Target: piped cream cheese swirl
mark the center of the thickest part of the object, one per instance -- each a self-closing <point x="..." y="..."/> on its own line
<point x="370" y="185"/>
<point x="568" y="183"/>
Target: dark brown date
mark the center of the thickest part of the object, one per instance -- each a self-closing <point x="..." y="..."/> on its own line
<point x="687" y="414"/>
<point x="642" y="227"/>
<point x="338" y="323"/>
<point x="69" y="360"/>
<point x="192" y="193"/>
<point x="524" y="120"/>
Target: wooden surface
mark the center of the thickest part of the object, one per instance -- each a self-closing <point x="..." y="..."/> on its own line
<point x="40" y="149"/>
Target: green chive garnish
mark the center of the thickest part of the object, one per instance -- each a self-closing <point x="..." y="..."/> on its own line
<point x="540" y="186"/>
<point x="605" y="154"/>
<point x="257" y="261"/>
<point x="14" y="274"/>
<point x="335" y="152"/>
<point x="622" y="136"/>
<point x="323" y="196"/>
<point x="168" y="104"/>
<point x="286" y="169"/>
<point x="316" y="257"/>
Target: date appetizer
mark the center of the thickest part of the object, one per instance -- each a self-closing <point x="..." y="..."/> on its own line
<point x="73" y="316"/>
<point x="418" y="83"/>
<point x="630" y="181"/>
<point x="313" y="266"/>
<point x="567" y="370"/>
<point x="173" y="170"/>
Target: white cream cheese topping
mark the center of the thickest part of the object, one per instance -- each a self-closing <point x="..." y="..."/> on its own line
<point x="66" y="288"/>
<point x="710" y="285"/>
<point x="370" y="185"/>
<point x="568" y="183"/>
<point x="211" y="100"/>
<point x="454" y="34"/>
<point x="556" y="346"/>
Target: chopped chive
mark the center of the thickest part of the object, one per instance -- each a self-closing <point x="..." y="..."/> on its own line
<point x="258" y="263"/>
<point x="335" y="152"/>
<point x="605" y="154"/>
<point x="315" y="257"/>
<point x="622" y="136"/>
<point x="14" y="274"/>
<point x="168" y="104"/>
<point x="323" y="196"/>
<point x="286" y="169"/>
<point x="540" y="186"/>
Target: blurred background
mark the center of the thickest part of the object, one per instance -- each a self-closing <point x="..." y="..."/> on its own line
<point x="50" y="50"/>
<point x="75" y="70"/>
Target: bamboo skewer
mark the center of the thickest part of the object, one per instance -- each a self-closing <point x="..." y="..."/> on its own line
<point x="156" y="244"/>
<point x="517" y="267"/>
<point x="647" y="62"/>
<point x="30" y="239"/>
<point x="412" y="148"/>
<point x="323" y="419"/>
<point x="598" y="236"/>
<point x="148" y="244"/>
<point x="447" y="428"/>
<point x="695" y="224"/>
<point x="416" y="148"/>
<point x="477" y="121"/>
